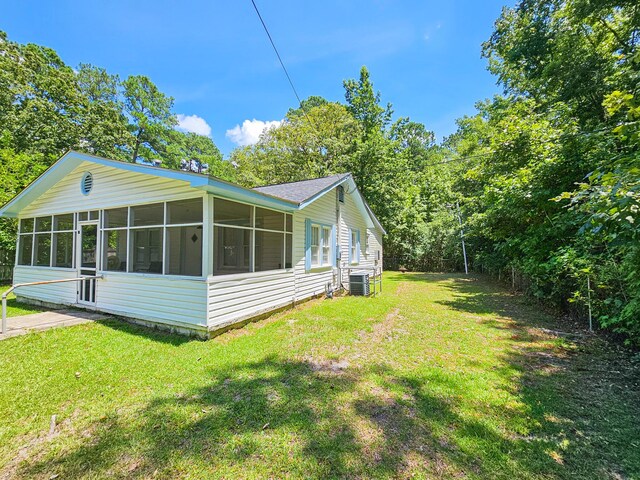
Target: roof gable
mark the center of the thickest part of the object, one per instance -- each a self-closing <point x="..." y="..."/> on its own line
<point x="71" y="160"/>
<point x="290" y="197"/>
<point x="304" y="190"/>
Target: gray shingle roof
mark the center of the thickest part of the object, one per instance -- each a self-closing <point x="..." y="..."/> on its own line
<point x="300" y="191"/>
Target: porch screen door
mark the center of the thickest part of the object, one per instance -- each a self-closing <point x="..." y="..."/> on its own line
<point x="87" y="266"/>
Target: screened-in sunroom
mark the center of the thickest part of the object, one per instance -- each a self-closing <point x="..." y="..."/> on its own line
<point x="185" y="250"/>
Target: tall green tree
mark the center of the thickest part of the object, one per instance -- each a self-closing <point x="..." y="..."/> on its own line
<point x="41" y="104"/>
<point x="550" y="178"/>
<point x="103" y="125"/>
<point x="149" y="111"/>
<point x="314" y="143"/>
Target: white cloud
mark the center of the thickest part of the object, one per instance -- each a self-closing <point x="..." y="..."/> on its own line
<point x="194" y="124"/>
<point x="249" y="132"/>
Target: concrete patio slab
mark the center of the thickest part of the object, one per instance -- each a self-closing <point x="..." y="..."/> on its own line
<point x="45" y="320"/>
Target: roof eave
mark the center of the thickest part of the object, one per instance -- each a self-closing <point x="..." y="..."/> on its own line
<point x="236" y="192"/>
<point x="71" y="160"/>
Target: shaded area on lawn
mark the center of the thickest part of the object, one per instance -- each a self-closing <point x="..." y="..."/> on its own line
<point x="528" y="405"/>
<point x="582" y="390"/>
<point x="233" y="419"/>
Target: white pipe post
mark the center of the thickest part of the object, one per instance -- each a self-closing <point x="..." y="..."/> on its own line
<point x="4" y="309"/>
<point x="4" y="314"/>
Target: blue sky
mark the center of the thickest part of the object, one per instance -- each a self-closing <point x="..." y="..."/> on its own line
<point x="214" y="58"/>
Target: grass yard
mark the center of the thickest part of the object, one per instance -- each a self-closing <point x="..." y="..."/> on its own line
<point x="441" y="376"/>
<point x="14" y="308"/>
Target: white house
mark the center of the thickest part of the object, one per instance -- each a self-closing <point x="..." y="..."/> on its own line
<point x="182" y="250"/>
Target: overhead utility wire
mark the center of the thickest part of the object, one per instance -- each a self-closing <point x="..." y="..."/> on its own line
<point x="281" y="62"/>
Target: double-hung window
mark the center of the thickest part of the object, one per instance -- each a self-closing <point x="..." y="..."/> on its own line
<point x="315" y="246"/>
<point x="326" y="245"/>
<point x="366" y="242"/>
<point x="319" y="245"/>
<point x="354" y="246"/>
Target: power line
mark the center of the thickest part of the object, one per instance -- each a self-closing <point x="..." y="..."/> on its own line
<point x="282" y="63"/>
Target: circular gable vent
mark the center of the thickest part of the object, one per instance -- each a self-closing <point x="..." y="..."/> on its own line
<point x="86" y="184"/>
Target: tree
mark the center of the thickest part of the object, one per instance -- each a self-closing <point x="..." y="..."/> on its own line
<point x="41" y="103"/>
<point x="570" y="72"/>
<point x="190" y="146"/>
<point x="364" y="104"/>
<point x="47" y="108"/>
<point x="149" y="111"/>
<point x="316" y="143"/>
<point x="103" y="124"/>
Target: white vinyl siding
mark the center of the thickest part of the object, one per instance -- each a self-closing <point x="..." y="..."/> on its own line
<point x="351" y="219"/>
<point x="165" y="299"/>
<point x="55" y="293"/>
<point x="208" y="300"/>
<point x="313" y="282"/>
<point x="112" y="187"/>
<point x="233" y="298"/>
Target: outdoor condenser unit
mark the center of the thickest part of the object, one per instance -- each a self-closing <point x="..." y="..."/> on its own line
<point x="359" y="284"/>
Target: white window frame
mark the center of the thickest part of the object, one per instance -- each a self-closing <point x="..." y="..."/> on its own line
<point x="315" y="247"/>
<point x="252" y="238"/>
<point x="325" y="233"/>
<point x="354" y="246"/>
<point x="366" y="242"/>
<point x="326" y="245"/>
<point x="51" y="232"/>
<point x="130" y="229"/>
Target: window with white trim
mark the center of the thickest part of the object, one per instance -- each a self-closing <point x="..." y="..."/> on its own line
<point x="319" y="245"/>
<point x="354" y="246"/>
<point x="162" y="238"/>
<point x="47" y="241"/>
<point x="248" y="238"/>
<point x="366" y="241"/>
<point x="326" y="245"/>
<point x="315" y="246"/>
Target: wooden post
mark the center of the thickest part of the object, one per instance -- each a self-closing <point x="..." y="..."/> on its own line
<point x="589" y="297"/>
<point x="52" y="425"/>
<point x="464" y="249"/>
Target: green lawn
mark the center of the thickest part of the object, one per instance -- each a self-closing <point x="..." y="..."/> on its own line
<point x="441" y="376"/>
<point x="15" y="308"/>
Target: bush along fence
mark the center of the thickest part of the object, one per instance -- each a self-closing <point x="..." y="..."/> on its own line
<point x="581" y="298"/>
<point x="424" y="264"/>
<point x="7" y="258"/>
